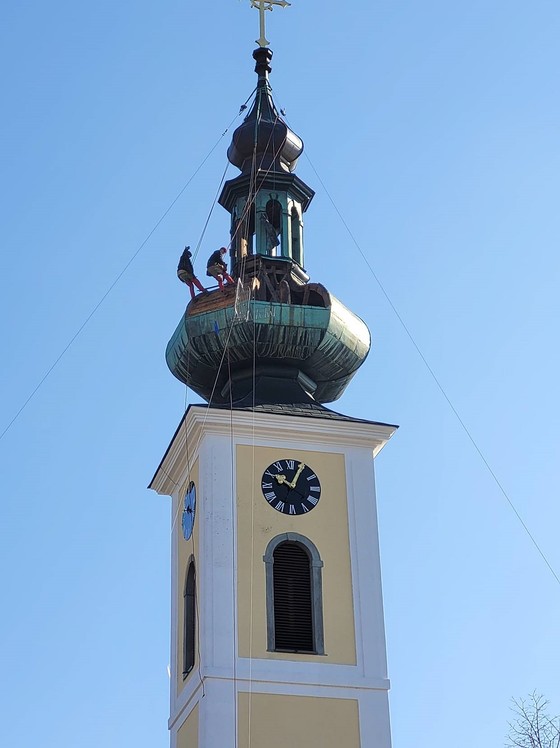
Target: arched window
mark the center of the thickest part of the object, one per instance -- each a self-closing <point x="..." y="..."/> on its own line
<point x="294" y="595"/>
<point x="189" y="618"/>
<point x="296" y="235"/>
<point x="273" y="227"/>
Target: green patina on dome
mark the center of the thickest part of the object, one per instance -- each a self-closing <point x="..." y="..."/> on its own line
<point x="274" y="334"/>
<point x="327" y="345"/>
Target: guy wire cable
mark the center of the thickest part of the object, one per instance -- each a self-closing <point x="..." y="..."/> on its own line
<point x="436" y="380"/>
<point x="230" y="328"/>
<point x="179" y="505"/>
<point x="246" y="209"/>
<point x="195" y="253"/>
<point x="229" y="331"/>
<point x="188" y="466"/>
<point x="114" y="283"/>
<point x="251" y="595"/>
<point x="235" y="611"/>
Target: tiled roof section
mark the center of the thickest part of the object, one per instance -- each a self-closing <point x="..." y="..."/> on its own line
<point x="305" y="410"/>
<point x="277" y="396"/>
<point x="286" y="398"/>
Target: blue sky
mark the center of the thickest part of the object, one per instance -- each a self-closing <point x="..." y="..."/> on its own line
<point x="434" y="127"/>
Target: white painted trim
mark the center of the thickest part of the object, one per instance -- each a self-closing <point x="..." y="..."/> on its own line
<point x="174" y="612"/>
<point x="290" y="671"/>
<point x="375" y="722"/>
<point x="182" y="713"/>
<point x="306" y="430"/>
<point x="354" y="558"/>
<point x="224" y="673"/>
<point x="217" y="723"/>
<point x="305" y="689"/>
<point x="366" y="564"/>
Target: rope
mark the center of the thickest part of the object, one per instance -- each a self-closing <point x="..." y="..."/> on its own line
<point x="180" y="504"/>
<point x="233" y="564"/>
<point x="197" y="616"/>
<point x="195" y="253"/>
<point x="113" y="284"/>
<point x="254" y="188"/>
<point x="437" y="381"/>
<point x="254" y="380"/>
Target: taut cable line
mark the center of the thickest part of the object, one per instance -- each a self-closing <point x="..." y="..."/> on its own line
<point x="114" y="282"/>
<point x="436" y="379"/>
<point x="219" y="368"/>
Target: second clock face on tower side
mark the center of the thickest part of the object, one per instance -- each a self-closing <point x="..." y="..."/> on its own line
<point x="189" y="510"/>
<point x="291" y="487"/>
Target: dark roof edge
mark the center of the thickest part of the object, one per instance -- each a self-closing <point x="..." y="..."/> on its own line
<point x="299" y="410"/>
<point x="279" y="410"/>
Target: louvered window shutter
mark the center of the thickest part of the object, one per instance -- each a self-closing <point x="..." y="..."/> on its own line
<point x="293" y="608"/>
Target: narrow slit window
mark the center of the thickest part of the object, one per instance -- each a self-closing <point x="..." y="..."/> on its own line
<point x="273" y="227"/>
<point x="189" y="622"/>
<point x="296" y="236"/>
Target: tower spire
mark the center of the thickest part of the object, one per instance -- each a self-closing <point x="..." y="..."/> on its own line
<point x="288" y="340"/>
<point x="262" y="6"/>
<point x="277" y="615"/>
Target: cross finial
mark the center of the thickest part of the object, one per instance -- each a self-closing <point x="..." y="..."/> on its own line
<point x="262" y="6"/>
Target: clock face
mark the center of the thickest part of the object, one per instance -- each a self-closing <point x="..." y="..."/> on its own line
<point x="291" y="487"/>
<point x="189" y="509"/>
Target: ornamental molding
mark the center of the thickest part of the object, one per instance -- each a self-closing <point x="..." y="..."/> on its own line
<point x="243" y="426"/>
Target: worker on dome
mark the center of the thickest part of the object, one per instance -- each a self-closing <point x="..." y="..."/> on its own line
<point x="185" y="272"/>
<point x="217" y="268"/>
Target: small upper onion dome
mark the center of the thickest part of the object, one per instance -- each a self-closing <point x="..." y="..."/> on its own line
<point x="277" y="147"/>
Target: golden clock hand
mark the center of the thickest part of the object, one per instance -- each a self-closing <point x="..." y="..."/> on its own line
<point x="296" y="476"/>
<point x="282" y="479"/>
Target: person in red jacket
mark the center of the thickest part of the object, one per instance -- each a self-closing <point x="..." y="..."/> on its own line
<point x="185" y="272"/>
<point x="217" y="268"/>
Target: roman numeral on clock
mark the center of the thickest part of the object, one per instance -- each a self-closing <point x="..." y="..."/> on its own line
<point x="291" y="487"/>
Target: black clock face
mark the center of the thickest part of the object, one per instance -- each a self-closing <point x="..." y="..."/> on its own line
<point x="291" y="487"/>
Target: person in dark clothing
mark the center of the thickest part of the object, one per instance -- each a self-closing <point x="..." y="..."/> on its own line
<point x="272" y="240"/>
<point x="185" y="272"/>
<point x="217" y="268"/>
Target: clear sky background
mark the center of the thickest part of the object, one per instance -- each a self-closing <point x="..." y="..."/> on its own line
<point x="434" y="126"/>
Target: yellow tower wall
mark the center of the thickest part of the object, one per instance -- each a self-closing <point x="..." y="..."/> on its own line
<point x="186" y="549"/>
<point x="187" y="736"/>
<point x="326" y="526"/>
<point x="277" y="721"/>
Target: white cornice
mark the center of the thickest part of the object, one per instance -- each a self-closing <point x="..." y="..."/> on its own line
<point x="200" y="421"/>
<point x="337" y="688"/>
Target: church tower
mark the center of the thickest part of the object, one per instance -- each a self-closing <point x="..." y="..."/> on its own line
<point x="277" y="619"/>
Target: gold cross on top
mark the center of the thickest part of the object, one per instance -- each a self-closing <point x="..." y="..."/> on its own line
<point x="262" y="6"/>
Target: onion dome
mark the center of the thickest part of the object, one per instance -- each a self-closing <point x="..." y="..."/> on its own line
<point x="277" y="147"/>
<point x="273" y="337"/>
<point x="314" y="342"/>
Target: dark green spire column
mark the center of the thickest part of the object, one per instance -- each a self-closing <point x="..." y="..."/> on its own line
<point x="266" y="201"/>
